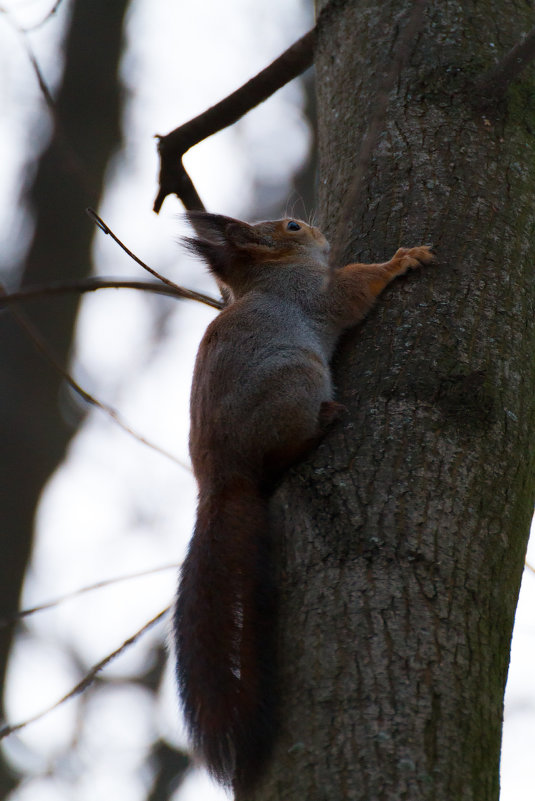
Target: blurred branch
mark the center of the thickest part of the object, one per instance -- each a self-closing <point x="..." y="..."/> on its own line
<point x="87" y="115"/>
<point x="46" y="18"/>
<point x="69" y="153"/>
<point x="397" y="63"/>
<point x="8" y="620"/>
<point x="171" y="768"/>
<point x="45" y="91"/>
<point x="87" y="680"/>
<point x="529" y="567"/>
<point x="494" y="83"/>
<point x="43" y="348"/>
<point x="91" y="284"/>
<point x="23" y="29"/>
<point x="172" y="147"/>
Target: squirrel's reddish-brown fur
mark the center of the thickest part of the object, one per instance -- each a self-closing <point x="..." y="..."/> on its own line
<point x="262" y="397"/>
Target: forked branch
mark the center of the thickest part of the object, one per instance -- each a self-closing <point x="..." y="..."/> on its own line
<point x="172" y="147"/>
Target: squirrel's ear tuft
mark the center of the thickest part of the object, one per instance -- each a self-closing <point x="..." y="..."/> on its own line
<point x="246" y="237"/>
<point x="222" y="230"/>
<point x="211" y="227"/>
<point x="213" y="254"/>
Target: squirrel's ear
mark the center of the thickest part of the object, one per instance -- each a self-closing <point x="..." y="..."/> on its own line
<point x="245" y="237"/>
<point x="222" y="230"/>
<point x="211" y="227"/>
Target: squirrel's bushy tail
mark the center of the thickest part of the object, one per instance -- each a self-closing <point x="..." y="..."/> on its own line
<point x="224" y="628"/>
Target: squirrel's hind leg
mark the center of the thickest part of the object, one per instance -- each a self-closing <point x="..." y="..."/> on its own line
<point x="278" y="460"/>
<point x="330" y="413"/>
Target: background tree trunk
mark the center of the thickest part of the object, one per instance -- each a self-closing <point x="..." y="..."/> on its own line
<point x="33" y="433"/>
<point x="402" y="539"/>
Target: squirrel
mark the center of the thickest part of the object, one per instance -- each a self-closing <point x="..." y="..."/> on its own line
<point x="262" y="398"/>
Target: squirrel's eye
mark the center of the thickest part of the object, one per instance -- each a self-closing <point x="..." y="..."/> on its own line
<point x="293" y="226"/>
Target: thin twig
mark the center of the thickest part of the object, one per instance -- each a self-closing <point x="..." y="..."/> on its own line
<point x="184" y="292"/>
<point x="43" y="347"/>
<point x="107" y="230"/>
<point x="88" y="679"/>
<point x="529" y="567"/>
<point x="398" y="62"/>
<point x="15" y="617"/>
<point x="494" y="83"/>
<point x="92" y="284"/>
<point x="172" y="147"/>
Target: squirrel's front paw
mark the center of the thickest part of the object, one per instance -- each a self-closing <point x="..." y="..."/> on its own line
<point x="411" y="258"/>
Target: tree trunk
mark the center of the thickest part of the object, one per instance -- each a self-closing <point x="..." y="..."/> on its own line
<point x="402" y="539"/>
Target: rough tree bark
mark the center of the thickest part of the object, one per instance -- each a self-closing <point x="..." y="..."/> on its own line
<point x="402" y="539"/>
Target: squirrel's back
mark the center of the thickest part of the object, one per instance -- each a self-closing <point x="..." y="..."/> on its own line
<point x="260" y="378"/>
<point x="261" y="399"/>
<point x="262" y="370"/>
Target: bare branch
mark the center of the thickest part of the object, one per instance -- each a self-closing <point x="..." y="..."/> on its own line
<point x="399" y="60"/>
<point x="43" y="348"/>
<point x="93" y="284"/>
<point x="174" y="180"/>
<point x="495" y="82"/>
<point x="172" y="147"/>
<point x="15" y="617"/>
<point x="107" y="230"/>
<point x="88" y="679"/>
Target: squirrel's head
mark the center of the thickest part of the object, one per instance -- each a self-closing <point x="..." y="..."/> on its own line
<point x="232" y="248"/>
